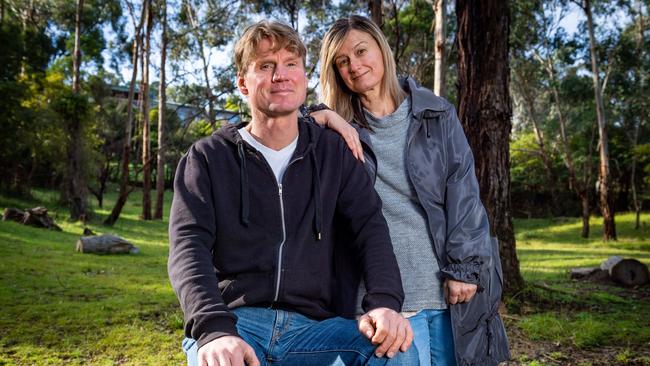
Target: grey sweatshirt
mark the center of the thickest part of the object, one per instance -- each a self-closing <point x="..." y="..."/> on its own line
<point x="406" y="218"/>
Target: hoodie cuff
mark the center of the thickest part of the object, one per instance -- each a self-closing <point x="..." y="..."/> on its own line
<point x="464" y="272"/>
<point x="374" y="301"/>
<point x="216" y="329"/>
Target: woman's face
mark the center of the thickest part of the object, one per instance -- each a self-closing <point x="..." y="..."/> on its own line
<point x="360" y="63"/>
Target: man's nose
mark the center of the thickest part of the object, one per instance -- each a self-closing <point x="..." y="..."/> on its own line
<point x="280" y="74"/>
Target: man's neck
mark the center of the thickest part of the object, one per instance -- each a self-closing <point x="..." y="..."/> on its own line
<point x="274" y="132"/>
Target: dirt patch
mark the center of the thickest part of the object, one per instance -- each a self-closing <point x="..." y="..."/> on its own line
<point x="524" y="352"/>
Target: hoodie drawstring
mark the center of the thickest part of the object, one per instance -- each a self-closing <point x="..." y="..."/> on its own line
<point x="243" y="178"/>
<point x="318" y="214"/>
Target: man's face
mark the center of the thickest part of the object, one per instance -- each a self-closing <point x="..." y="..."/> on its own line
<point x="275" y="82"/>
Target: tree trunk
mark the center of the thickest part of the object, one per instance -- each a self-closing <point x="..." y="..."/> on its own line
<point x="440" y="9"/>
<point x="606" y="209"/>
<point x="375" y="10"/>
<point x="162" y="102"/>
<point x="76" y="55"/>
<point x="581" y="189"/>
<point x="206" y="65"/>
<point x="125" y="190"/>
<point x="75" y="186"/>
<point x="485" y="112"/>
<point x="639" y="118"/>
<point x="146" y="141"/>
<point x="529" y="103"/>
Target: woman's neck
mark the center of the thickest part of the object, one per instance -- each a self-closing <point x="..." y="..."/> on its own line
<point x="377" y="103"/>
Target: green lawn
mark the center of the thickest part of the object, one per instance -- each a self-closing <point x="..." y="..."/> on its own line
<point x="62" y="307"/>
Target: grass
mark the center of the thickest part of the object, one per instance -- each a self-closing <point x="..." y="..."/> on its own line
<point x="60" y="307"/>
<point x="575" y="314"/>
<point x="63" y="307"/>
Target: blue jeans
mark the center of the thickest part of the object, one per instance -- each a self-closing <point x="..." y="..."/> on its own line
<point x="287" y="338"/>
<point x="432" y="331"/>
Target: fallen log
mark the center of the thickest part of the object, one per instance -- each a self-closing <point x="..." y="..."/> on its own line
<point x="627" y="272"/>
<point x="13" y="214"/>
<point x="105" y="244"/>
<point x="36" y="216"/>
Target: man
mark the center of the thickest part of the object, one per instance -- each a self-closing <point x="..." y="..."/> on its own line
<point x="252" y="226"/>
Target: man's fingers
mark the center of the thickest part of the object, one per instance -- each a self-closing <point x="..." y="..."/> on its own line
<point x="400" y="335"/>
<point x="409" y="338"/>
<point x="250" y="358"/>
<point x="384" y="337"/>
<point x="366" y="327"/>
<point x="224" y="360"/>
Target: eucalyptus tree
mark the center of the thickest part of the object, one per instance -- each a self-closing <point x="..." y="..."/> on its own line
<point x="162" y="103"/>
<point x="604" y="185"/>
<point x="125" y="190"/>
<point x="485" y="113"/>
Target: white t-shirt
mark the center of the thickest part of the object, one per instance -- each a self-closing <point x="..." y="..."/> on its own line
<point x="277" y="159"/>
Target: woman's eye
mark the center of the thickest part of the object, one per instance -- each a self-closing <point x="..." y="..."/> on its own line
<point x="342" y="62"/>
<point x="361" y="51"/>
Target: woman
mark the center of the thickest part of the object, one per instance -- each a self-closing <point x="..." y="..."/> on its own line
<point x="416" y="151"/>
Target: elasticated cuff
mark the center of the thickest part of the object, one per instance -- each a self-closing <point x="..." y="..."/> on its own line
<point x="464" y="272"/>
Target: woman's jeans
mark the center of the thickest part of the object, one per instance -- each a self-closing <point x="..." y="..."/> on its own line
<point x="287" y="338"/>
<point x="433" y="337"/>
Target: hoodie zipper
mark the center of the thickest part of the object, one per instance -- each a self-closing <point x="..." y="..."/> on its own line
<point x="278" y="275"/>
<point x="284" y="238"/>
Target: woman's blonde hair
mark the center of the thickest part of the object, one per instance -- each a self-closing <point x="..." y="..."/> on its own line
<point x="334" y="92"/>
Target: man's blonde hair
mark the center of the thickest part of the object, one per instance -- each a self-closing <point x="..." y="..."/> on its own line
<point x="281" y="36"/>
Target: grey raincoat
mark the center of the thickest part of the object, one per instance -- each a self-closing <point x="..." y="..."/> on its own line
<point x="440" y="165"/>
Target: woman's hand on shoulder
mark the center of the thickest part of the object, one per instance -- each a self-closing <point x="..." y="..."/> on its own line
<point x="333" y="121"/>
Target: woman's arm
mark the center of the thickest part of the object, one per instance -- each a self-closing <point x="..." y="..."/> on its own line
<point x="330" y="119"/>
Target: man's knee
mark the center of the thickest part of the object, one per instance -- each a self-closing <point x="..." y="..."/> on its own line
<point x="408" y="358"/>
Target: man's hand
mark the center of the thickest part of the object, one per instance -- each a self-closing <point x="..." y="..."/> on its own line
<point x="387" y="329"/>
<point x="457" y="292"/>
<point x="333" y="121"/>
<point x="227" y="351"/>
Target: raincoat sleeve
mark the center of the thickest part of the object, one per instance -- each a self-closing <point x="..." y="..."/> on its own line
<point x="468" y="231"/>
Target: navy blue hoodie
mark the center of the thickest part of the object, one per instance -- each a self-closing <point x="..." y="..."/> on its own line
<point x="238" y="238"/>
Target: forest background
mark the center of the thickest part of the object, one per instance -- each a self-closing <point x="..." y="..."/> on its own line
<point x="557" y="120"/>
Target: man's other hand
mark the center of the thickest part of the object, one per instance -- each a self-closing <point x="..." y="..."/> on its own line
<point x="457" y="292"/>
<point x="227" y="351"/>
<point x="388" y="330"/>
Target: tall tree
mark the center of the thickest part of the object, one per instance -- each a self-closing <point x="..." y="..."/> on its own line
<point x="485" y="112"/>
<point x="125" y="189"/>
<point x="162" y="103"/>
<point x="76" y="190"/>
<point x="606" y="207"/>
<point x="440" y="36"/>
<point x="376" y="12"/>
<point x="146" y="141"/>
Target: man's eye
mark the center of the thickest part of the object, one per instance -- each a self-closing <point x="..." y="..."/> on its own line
<point x="266" y="66"/>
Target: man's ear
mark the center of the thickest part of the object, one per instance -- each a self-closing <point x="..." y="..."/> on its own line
<point x="241" y="84"/>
